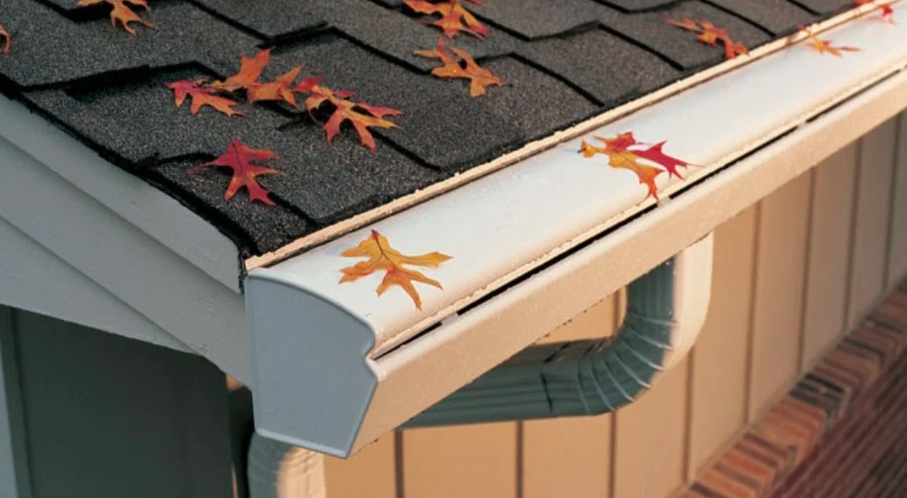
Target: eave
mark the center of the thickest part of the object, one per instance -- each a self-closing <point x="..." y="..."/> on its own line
<point x="585" y="231"/>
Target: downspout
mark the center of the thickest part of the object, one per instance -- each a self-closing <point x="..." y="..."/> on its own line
<point x="665" y="311"/>
<point x="280" y="470"/>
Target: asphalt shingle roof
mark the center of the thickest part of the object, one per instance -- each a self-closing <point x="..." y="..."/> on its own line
<point x="563" y="62"/>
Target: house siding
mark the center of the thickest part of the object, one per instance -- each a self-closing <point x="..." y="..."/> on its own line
<point x="109" y="417"/>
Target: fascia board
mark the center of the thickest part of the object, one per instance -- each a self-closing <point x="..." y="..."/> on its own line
<point x="34" y="279"/>
<point x="149" y="209"/>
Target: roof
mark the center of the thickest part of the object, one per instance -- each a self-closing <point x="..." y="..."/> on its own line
<point x="563" y="62"/>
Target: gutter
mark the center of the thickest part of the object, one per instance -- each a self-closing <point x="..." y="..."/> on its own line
<point x="533" y="245"/>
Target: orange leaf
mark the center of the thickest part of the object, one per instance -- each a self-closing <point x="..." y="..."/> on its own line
<point x="382" y="257"/>
<point x="249" y="71"/>
<point x="826" y="46"/>
<point x="5" y="38"/>
<point x="361" y="115"/>
<point x="239" y="158"/>
<point x="466" y="68"/>
<point x="278" y="89"/>
<point x="621" y="155"/>
<point x="708" y="33"/>
<point x="201" y="97"/>
<point x="121" y="13"/>
<point x="454" y="17"/>
<point x="887" y="9"/>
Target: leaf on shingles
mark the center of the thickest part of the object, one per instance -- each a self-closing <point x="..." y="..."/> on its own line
<point x="382" y="257"/>
<point x="624" y="152"/>
<point x="466" y="68"/>
<point x="239" y="158"/>
<point x="708" y="33"/>
<point x="5" y="39"/>
<point x="887" y="9"/>
<point x="361" y="115"/>
<point x="247" y="79"/>
<point x="249" y="71"/>
<point x="201" y="97"/>
<point x="454" y="17"/>
<point x="122" y="13"/>
<point x="825" y="46"/>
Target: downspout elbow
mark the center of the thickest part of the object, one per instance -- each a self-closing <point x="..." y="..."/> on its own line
<point x="666" y="309"/>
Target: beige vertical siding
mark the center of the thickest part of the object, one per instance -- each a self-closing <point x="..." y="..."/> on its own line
<point x="571" y="456"/>
<point x="719" y="359"/>
<point x="870" y="237"/>
<point x="778" y="301"/>
<point x="788" y="279"/>
<point x="829" y="252"/>
<point x="897" y="252"/>
<point x="371" y="473"/>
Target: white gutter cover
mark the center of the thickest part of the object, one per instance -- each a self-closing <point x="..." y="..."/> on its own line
<point x="329" y="371"/>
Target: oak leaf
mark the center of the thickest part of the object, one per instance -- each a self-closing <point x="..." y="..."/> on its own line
<point x="201" y="97"/>
<point x="122" y="13"/>
<point x="708" y="33"/>
<point x="826" y="46"/>
<point x="5" y="38"/>
<point x="249" y="71"/>
<point x="382" y="257"/>
<point x="277" y="90"/>
<point x="361" y="115"/>
<point x="887" y="9"/>
<point x="239" y="158"/>
<point x="467" y="68"/>
<point x="624" y="152"/>
<point x="454" y="17"/>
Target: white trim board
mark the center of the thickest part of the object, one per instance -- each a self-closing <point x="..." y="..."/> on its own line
<point x="161" y="285"/>
<point x="34" y="279"/>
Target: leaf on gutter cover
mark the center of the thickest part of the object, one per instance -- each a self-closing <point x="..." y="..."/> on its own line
<point x="201" y="97"/>
<point x="454" y="17"/>
<point x="122" y="13"/>
<point x="6" y="39"/>
<point x="887" y="9"/>
<point x="382" y="257"/>
<point x="708" y="33"/>
<point x="624" y="152"/>
<point x="361" y="115"/>
<point x="239" y="158"/>
<point x="825" y="46"/>
<point x="466" y="68"/>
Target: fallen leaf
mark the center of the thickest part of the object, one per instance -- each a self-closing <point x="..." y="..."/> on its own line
<point x="249" y="71"/>
<point x="454" y="17"/>
<point x="826" y="46"/>
<point x="382" y="257"/>
<point x="276" y="90"/>
<point x="361" y="115"/>
<point x="467" y="68"/>
<point x="201" y="97"/>
<point x="624" y="152"/>
<point x="887" y="9"/>
<point x="239" y="158"/>
<point x="708" y="33"/>
<point x="6" y="39"/>
<point x="122" y="13"/>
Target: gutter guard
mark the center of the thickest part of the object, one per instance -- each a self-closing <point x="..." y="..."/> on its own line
<point x="335" y="367"/>
<point x="666" y="309"/>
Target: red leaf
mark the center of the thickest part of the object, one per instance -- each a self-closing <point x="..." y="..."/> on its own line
<point x="454" y="17"/>
<point x="361" y="115"/>
<point x="6" y="38"/>
<point x="121" y="13"/>
<point x="655" y="154"/>
<point x="249" y="71"/>
<point x="479" y="77"/>
<point x="887" y="9"/>
<point x="276" y="90"/>
<point x="708" y="33"/>
<point x="201" y="97"/>
<point x="239" y="158"/>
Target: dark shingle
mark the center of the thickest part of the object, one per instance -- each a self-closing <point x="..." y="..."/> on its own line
<point x="777" y="16"/>
<point x="825" y="6"/>
<point x="540" y="18"/>
<point x="281" y="17"/>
